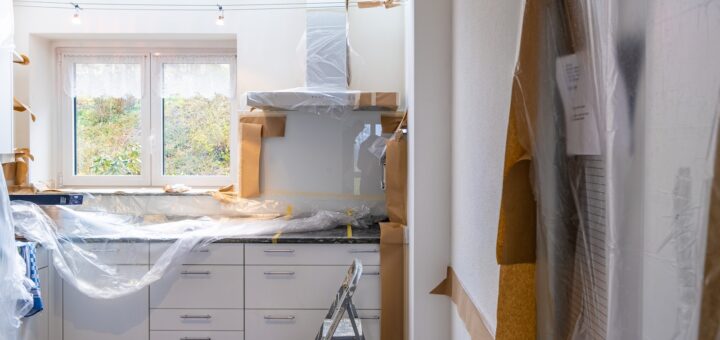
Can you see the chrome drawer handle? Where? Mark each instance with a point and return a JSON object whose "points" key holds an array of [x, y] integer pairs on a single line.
{"points": [[271, 251], [372, 273], [105, 250], [374, 317], [189, 338], [188, 272], [358, 251], [279, 273], [202, 250], [196, 316], [272, 317]]}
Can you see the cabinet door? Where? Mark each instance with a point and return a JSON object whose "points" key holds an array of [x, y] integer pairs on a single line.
{"points": [[6, 96], [36, 327], [125, 318]]}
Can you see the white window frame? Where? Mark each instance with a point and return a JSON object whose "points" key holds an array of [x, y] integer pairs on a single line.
{"points": [[158, 178], [151, 126]]}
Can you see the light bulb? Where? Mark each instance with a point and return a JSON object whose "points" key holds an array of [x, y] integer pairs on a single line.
{"points": [[76, 16], [221, 16], [76, 19]]}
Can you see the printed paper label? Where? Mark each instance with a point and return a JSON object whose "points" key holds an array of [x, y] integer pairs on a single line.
{"points": [[581, 125]]}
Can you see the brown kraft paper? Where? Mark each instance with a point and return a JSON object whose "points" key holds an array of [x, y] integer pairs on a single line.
{"points": [[710, 306], [380, 100], [470, 315], [390, 123], [392, 281], [396, 178], [272, 126], [250, 147], [515, 252]]}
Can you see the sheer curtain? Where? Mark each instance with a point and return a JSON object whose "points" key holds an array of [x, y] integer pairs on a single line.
{"points": [[103, 76], [194, 75]]}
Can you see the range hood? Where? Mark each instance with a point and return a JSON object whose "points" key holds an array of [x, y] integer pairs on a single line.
{"points": [[327, 74]]}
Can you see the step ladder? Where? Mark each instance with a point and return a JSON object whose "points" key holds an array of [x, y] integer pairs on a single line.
{"points": [[336, 326]]}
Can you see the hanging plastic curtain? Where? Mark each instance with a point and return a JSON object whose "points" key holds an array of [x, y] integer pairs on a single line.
{"points": [[621, 104]]}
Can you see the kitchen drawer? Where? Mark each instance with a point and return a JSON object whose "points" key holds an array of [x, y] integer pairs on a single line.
{"points": [[118, 252], [195, 335], [371, 323], [196, 319], [283, 324], [312, 254], [199, 287], [217, 253], [300, 324], [306, 287]]}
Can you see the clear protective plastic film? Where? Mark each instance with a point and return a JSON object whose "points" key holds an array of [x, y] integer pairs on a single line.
{"points": [[623, 158], [83, 242], [15, 297]]}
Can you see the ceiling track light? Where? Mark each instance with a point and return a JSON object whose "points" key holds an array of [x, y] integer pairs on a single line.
{"points": [[76, 16], [221, 16]]}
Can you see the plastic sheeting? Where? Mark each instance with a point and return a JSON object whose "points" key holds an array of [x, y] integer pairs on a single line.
{"points": [[621, 114], [80, 240], [15, 297]]}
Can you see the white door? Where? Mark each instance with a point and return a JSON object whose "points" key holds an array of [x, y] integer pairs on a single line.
{"points": [[125, 318]]}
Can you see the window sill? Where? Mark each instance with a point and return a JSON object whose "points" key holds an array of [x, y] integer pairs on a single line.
{"points": [[137, 191]]}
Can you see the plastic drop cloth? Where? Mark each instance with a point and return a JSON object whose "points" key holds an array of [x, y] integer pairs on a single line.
{"points": [[621, 105], [15, 297], [84, 242]]}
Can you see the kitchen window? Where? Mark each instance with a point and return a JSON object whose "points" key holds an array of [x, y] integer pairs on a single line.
{"points": [[147, 119]]}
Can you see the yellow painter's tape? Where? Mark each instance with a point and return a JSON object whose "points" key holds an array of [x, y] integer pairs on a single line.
{"points": [[276, 237]]}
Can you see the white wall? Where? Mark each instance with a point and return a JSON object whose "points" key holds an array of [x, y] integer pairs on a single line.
{"points": [[485, 44], [682, 84], [429, 91]]}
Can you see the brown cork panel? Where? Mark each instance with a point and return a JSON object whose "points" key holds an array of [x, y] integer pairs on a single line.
{"points": [[516, 303]]}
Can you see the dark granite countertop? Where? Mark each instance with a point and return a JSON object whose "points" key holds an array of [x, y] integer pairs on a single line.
{"points": [[339, 235]]}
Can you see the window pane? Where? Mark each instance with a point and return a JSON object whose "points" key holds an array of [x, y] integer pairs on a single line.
{"points": [[196, 120], [197, 135], [107, 124]]}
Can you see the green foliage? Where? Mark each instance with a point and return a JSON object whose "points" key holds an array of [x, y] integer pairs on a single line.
{"points": [[197, 135], [108, 133]]}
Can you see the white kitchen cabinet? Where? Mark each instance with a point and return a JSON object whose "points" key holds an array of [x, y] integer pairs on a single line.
{"points": [[314, 254], [196, 335], [124, 318], [227, 291], [196, 319], [283, 324], [306, 287], [6, 102], [199, 286]]}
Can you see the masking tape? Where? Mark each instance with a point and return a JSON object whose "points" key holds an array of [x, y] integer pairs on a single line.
{"points": [[470, 315], [276, 237]]}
